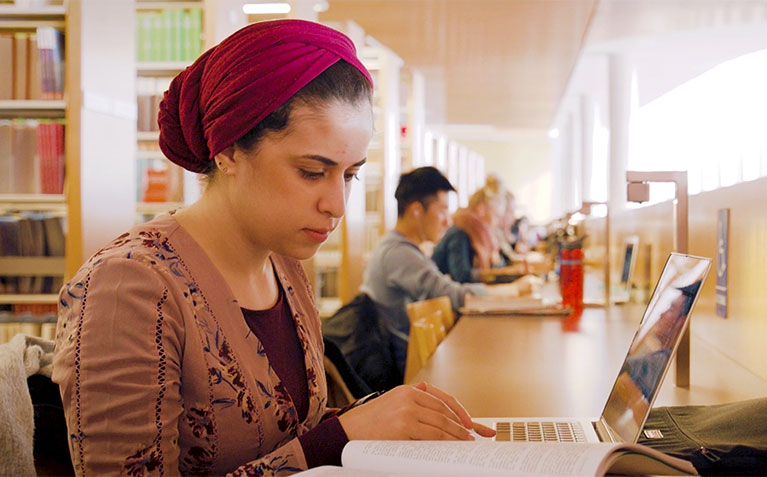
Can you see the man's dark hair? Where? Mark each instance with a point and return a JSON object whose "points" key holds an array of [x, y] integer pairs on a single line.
{"points": [[420, 185]]}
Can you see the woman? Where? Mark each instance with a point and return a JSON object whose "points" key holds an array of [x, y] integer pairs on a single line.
{"points": [[191, 344], [469, 250]]}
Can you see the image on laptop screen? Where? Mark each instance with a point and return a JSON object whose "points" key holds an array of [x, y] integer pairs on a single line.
{"points": [[629, 260], [654, 344]]}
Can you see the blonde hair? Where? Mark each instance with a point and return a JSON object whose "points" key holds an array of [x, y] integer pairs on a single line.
{"points": [[486, 196], [494, 183]]}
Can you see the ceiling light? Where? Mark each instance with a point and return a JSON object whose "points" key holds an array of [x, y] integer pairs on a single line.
{"points": [[320, 6], [553, 133], [266, 8]]}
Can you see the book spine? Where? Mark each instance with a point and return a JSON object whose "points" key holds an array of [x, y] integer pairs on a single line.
{"points": [[35, 73], [195, 36], [21, 65], [185, 23], [7, 73], [156, 37], [6, 156]]}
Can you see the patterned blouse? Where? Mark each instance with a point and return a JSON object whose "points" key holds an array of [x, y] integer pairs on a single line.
{"points": [[159, 372]]}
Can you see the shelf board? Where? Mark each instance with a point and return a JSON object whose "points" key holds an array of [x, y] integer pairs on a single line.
{"points": [[148, 208], [327, 258], [17, 18], [328, 305], [160, 68], [33, 266], [30, 108], [154, 5], [32, 299], [12, 11], [148, 155], [44, 202], [147, 136]]}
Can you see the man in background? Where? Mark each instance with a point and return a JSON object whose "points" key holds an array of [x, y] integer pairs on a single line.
{"points": [[399, 273]]}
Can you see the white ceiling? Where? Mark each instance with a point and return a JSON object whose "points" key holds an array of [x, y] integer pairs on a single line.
{"points": [[506, 64]]}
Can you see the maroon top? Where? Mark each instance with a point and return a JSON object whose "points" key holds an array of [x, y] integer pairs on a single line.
{"points": [[276, 331]]}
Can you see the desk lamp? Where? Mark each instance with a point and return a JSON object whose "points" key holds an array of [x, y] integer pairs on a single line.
{"points": [[638, 190], [586, 210]]}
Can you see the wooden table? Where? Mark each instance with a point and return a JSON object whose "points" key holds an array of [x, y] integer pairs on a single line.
{"points": [[557, 366]]}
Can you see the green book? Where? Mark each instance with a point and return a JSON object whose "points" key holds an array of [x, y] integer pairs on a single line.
{"points": [[195, 33], [155, 37], [143, 37], [175, 33], [185, 23]]}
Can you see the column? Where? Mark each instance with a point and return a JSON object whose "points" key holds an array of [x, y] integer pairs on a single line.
{"points": [[620, 77]]}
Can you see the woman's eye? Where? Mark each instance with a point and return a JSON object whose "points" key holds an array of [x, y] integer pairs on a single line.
{"points": [[351, 175], [311, 175]]}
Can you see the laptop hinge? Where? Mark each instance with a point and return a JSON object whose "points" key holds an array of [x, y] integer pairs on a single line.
{"points": [[603, 431]]}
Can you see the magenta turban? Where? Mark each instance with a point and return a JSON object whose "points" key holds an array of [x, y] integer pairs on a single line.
{"points": [[240, 81]]}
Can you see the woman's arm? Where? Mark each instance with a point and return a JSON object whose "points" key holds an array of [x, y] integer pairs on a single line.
{"points": [[117, 362]]}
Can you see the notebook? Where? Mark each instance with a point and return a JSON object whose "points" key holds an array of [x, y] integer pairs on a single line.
{"points": [[619, 293], [646, 363]]}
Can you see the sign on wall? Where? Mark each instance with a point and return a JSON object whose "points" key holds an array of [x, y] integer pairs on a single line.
{"points": [[722, 236]]}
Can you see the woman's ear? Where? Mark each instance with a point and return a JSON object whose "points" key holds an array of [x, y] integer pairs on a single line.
{"points": [[225, 160]]}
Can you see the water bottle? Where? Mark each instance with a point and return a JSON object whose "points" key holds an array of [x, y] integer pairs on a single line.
{"points": [[571, 275]]}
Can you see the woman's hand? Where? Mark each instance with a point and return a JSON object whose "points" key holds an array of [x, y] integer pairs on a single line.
{"points": [[526, 285], [420, 412]]}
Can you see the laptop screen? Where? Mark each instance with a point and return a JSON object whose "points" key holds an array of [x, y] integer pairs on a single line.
{"points": [[628, 263], [654, 344]]}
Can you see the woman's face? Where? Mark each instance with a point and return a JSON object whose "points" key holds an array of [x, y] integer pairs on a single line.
{"points": [[290, 192]]}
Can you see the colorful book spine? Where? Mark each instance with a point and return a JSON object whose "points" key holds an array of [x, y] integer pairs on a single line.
{"points": [[173, 34]]}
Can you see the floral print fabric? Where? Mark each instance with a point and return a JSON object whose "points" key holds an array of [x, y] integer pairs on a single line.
{"points": [[159, 373]]}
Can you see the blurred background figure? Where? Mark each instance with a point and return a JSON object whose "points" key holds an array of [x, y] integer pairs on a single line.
{"points": [[471, 246]]}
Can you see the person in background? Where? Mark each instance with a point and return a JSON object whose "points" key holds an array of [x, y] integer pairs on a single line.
{"points": [[470, 249], [398, 272], [191, 344], [503, 231], [520, 230]]}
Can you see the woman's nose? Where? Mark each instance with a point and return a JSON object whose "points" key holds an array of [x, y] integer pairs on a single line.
{"points": [[333, 199]]}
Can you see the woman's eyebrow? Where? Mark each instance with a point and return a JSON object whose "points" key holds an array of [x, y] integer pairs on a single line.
{"points": [[329, 162]]}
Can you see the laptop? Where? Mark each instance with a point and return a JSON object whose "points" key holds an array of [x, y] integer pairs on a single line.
{"points": [[640, 377], [621, 292]]}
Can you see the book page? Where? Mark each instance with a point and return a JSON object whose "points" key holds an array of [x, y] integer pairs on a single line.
{"points": [[475, 458], [333, 471]]}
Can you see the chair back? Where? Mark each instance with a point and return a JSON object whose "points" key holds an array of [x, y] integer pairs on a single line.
{"points": [[421, 308], [426, 332]]}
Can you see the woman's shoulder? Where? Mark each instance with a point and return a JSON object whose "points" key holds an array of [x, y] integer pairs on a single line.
{"points": [[148, 243]]}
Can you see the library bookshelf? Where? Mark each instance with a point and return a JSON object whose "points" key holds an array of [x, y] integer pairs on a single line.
{"points": [[23, 107]]}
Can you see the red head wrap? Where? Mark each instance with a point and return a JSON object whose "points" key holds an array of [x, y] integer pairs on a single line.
{"points": [[236, 84]]}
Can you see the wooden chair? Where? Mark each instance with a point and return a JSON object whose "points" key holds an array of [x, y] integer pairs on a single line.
{"points": [[421, 308], [426, 332]]}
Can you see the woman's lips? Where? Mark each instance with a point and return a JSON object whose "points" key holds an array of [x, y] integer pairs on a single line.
{"points": [[318, 236]]}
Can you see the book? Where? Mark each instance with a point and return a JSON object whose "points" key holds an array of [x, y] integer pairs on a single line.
{"points": [[6, 156], [486, 458], [500, 305], [21, 65], [7, 73]]}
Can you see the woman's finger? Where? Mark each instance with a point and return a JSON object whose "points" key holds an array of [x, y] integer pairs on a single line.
{"points": [[450, 401], [436, 426], [483, 430], [427, 400]]}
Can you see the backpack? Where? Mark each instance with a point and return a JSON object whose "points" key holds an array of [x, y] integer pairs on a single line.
{"points": [[365, 342], [722, 439]]}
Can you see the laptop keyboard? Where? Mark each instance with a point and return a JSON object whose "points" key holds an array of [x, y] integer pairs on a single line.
{"points": [[539, 431]]}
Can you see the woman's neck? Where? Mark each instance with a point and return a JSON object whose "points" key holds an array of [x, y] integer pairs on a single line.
{"points": [[246, 268]]}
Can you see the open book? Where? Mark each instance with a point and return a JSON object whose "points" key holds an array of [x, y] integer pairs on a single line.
{"points": [[485, 458], [504, 305]]}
